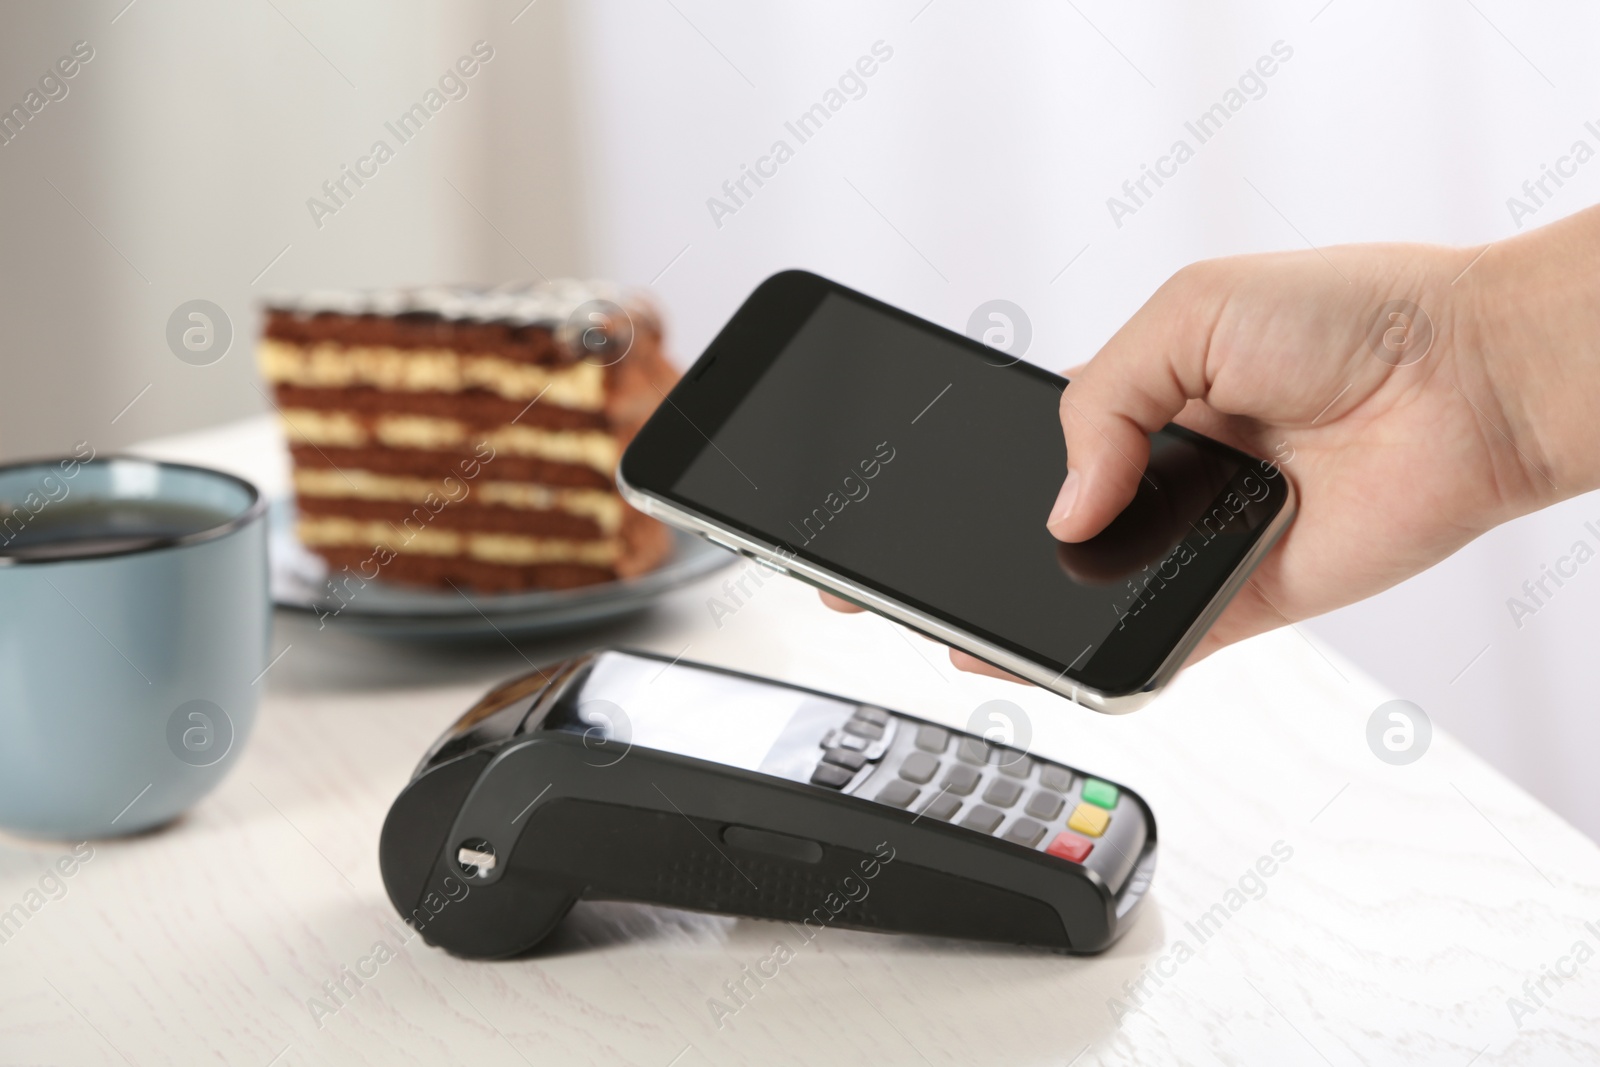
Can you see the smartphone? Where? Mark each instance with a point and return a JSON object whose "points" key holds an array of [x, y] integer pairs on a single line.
{"points": [[910, 469], [619, 775]]}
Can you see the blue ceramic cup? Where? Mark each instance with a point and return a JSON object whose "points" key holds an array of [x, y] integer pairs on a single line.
{"points": [[134, 628]]}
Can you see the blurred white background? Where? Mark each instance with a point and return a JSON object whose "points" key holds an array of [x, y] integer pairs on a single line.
{"points": [[976, 165]]}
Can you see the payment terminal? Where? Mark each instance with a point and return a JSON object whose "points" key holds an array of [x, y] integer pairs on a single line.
{"points": [[622, 775]]}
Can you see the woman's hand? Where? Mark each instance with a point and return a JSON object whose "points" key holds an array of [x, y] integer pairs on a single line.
{"points": [[1406, 437]]}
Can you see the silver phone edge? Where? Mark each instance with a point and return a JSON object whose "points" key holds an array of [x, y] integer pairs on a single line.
{"points": [[674, 514]]}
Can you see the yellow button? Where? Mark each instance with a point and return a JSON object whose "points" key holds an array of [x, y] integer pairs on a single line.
{"points": [[1089, 820]]}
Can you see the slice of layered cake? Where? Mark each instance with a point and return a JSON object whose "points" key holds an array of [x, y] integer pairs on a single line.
{"points": [[466, 436]]}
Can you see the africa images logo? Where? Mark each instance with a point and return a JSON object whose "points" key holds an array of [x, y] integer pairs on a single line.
{"points": [[199, 733], [851, 85], [52, 87], [453, 84], [1251, 85]]}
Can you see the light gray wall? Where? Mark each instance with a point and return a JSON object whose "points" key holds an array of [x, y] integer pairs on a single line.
{"points": [[190, 144], [977, 165]]}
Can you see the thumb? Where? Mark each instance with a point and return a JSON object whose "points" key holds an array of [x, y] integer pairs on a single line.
{"points": [[1134, 386]]}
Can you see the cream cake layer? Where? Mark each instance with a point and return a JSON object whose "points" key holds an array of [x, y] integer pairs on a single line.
{"points": [[489, 547], [597, 449], [327, 365], [600, 506]]}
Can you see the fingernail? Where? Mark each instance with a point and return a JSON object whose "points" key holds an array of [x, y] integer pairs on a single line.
{"points": [[1064, 501]]}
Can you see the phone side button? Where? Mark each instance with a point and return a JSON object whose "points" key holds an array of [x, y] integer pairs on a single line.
{"points": [[767, 563]]}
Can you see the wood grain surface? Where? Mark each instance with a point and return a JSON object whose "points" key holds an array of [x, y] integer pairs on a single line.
{"points": [[1414, 904]]}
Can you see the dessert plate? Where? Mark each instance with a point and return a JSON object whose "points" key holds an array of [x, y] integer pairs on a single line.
{"points": [[383, 609]]}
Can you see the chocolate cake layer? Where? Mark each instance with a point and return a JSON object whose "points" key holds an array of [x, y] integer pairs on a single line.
{"points": [[468, 434], [469, 574], [464, 515], [524, 344], [473, 406], [601, 506], [466, 463]]}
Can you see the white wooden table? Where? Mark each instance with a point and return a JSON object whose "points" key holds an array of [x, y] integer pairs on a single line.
{"points": [[1417, 899]]}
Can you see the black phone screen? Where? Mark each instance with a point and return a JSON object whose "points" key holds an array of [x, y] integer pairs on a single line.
{"points": [[922, 464]]}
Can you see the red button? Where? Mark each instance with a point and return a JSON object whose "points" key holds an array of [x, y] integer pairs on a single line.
{"points": [[1071, 847]]}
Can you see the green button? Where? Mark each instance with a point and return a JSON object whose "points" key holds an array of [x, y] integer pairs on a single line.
{"points": [[1101, 794]]}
